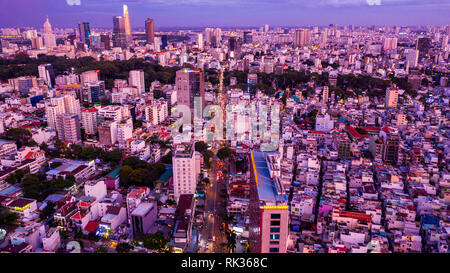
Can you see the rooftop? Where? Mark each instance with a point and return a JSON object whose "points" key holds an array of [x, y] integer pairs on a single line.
{"points": [[267, 190]]}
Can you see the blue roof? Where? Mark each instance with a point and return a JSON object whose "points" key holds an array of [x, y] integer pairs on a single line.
{"points": [[267, 190], [296, 99], [10, 190]]}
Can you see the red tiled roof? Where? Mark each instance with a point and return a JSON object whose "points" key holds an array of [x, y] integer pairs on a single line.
{"points": [[352, 131], [91, 226]]}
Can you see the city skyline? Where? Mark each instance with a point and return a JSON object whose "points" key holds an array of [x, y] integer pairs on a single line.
{"points": [[254, 13]]}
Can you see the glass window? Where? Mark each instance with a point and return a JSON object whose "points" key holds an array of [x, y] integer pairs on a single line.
{"points": [[273, 249], [275, 229], [274, 236], [275, 216], [274, 223]]}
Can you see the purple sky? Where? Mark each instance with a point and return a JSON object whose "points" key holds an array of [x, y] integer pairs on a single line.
{"points": [[202, 13]]}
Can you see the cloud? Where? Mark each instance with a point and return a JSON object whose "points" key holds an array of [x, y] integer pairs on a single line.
{"points": [[73, 2]]}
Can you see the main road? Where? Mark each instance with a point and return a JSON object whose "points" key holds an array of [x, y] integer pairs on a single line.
{"points": [[211, 236]]}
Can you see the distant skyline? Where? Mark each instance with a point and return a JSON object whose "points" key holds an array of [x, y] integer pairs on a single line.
{"points": [[231, 13]]}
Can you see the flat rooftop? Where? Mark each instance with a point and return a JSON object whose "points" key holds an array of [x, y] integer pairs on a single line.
{"points": [[267, 191], [142, 209]]}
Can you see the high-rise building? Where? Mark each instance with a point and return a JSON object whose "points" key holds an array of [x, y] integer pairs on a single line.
{"points": [[136, 79], [444, 41], [119, 36], [391, 98], [53, 108], [164, 41], [85, 33], [93, 92], [37, 43], [107, 132], [48, 36], [391, 145], [156, 112], [150, 30], [423, 44], [325, 94], [248, 37], [199, 40], [344, 147], [184, 174], [266, 28], [412, 57], [68, 128], [46, 73], [25, 83], [233, 46], [60, 105], [302, 37], [390, 44], [89, 121], [127, 26], [209, 32], [268, 208], [71, 104], [124, 131], [105, 41], [89, 76], [190, 84]]}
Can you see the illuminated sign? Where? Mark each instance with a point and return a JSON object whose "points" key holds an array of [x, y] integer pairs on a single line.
{"points": [[22, 208], [91, 163], [276, 207]]}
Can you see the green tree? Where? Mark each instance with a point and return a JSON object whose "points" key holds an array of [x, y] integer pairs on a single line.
{"points": [[11, 179], [155, 241], [7, 217], [124, 247], [124, 174], [47, 211], [201, 146], [224, 153]]}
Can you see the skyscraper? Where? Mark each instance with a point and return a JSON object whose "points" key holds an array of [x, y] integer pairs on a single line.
{"points": [[89, 120], [136, 79], [126, 18], [105, 41], [150, 30], [199, 40], [390, 44], [423, 44], [302, 37], [119, 36], [412, 57], [68, 128], [46, 73], [248, 37], [391, 98], [190, 84], [164, 41], [85, 32], [184, 174], [268, 208], [48, 36]]}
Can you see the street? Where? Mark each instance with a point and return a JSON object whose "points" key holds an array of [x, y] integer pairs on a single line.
{"points": [[211, 237]]}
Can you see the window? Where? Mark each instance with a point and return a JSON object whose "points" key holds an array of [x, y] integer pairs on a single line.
{"points": [[274, 242], [275, 216], [273, 250], [274, 223], [275, 229], [274, 236]]}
